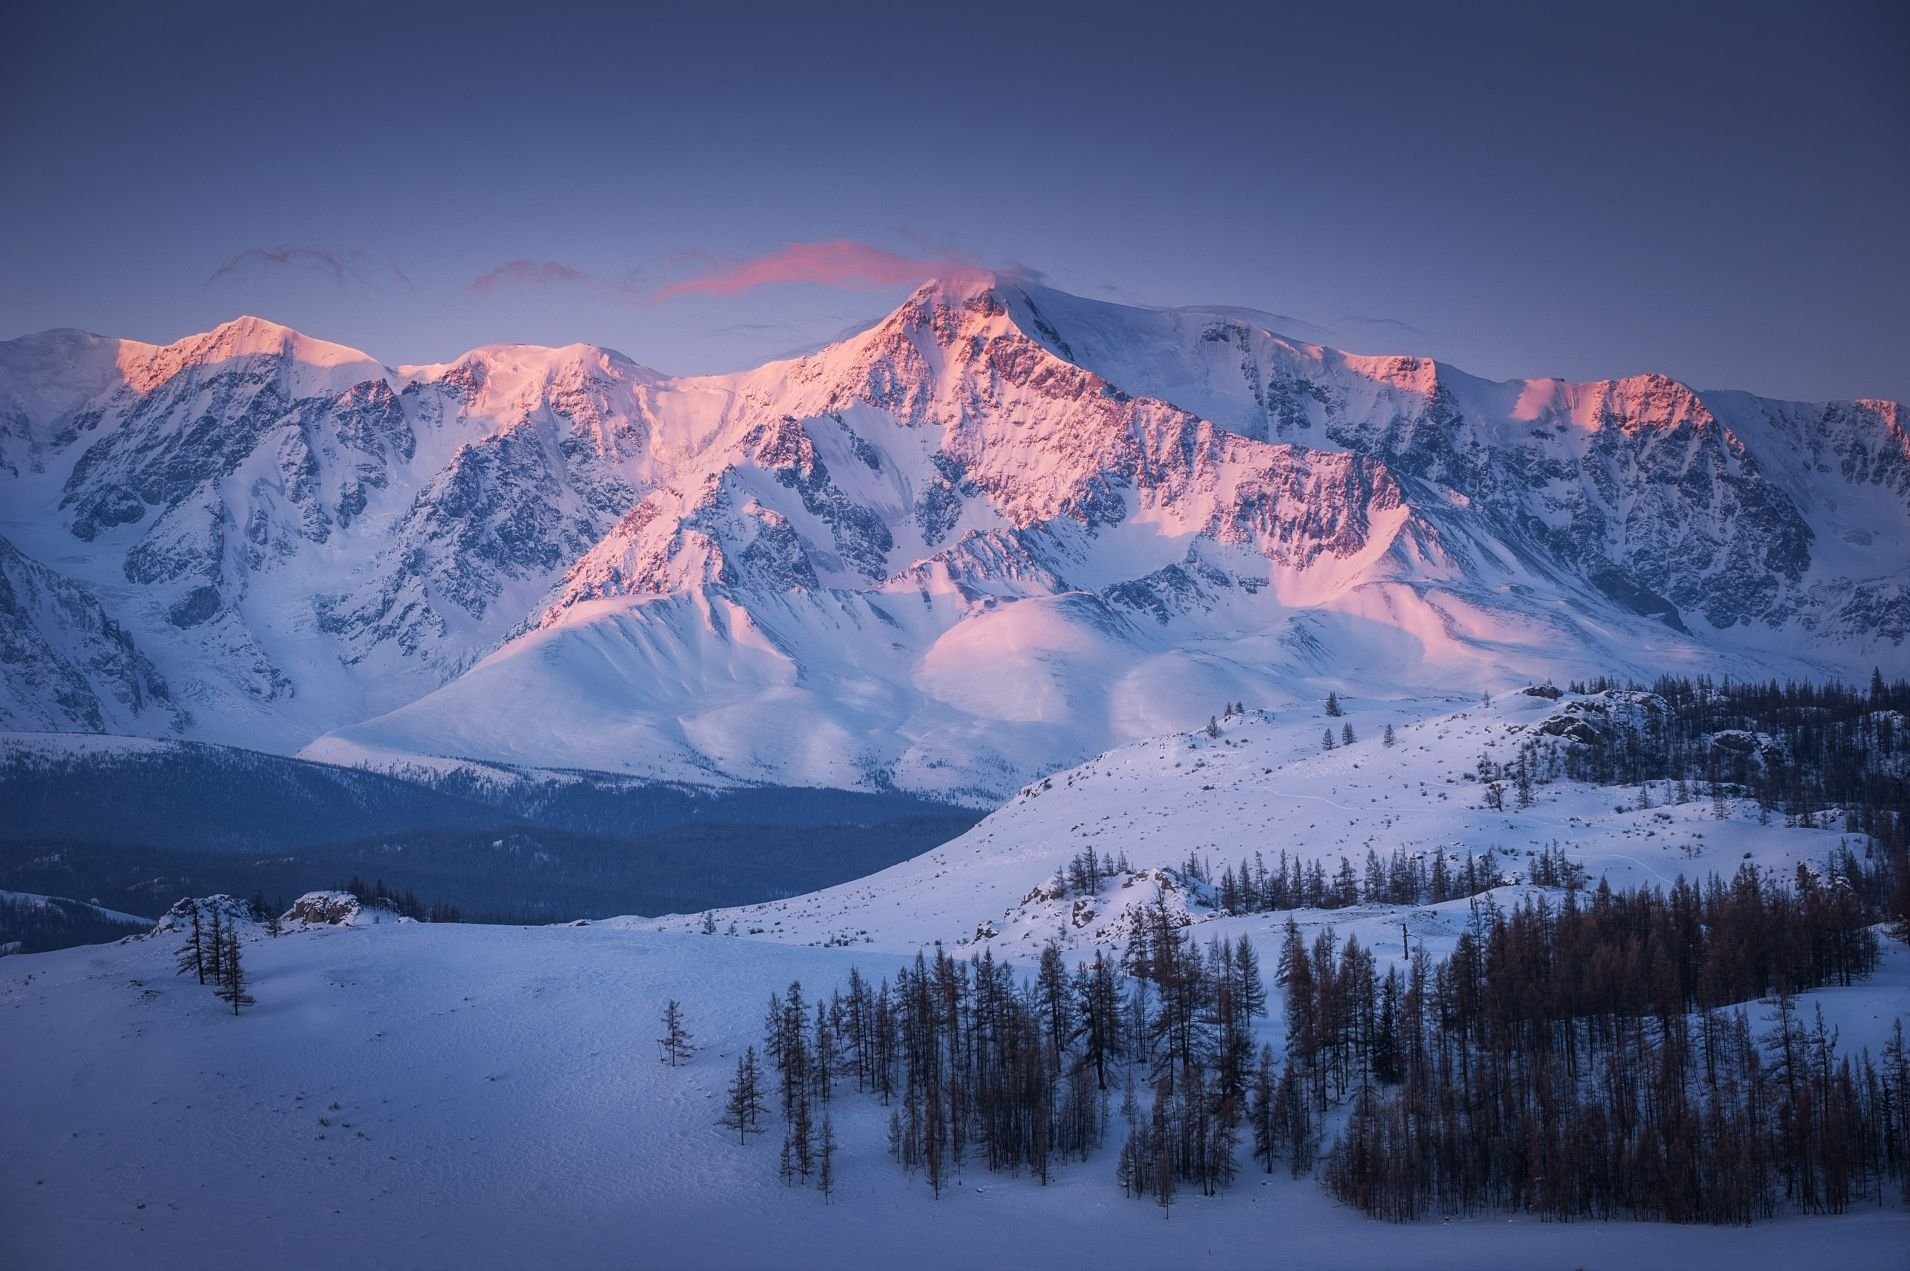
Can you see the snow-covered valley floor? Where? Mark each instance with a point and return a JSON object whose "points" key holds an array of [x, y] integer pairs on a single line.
{"points": [[410, 1095], [413, 1096]]}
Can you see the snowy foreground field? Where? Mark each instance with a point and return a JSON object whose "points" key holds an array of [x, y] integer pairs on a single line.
{"points": [[411, 1095]]}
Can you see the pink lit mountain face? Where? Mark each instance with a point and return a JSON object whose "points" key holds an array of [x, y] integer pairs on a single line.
{"points": [[999, 532]]}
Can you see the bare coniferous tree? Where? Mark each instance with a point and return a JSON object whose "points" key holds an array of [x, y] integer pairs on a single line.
{"points": [[675, 1042], [826, 1160], [232, 979], [744, 1108], [192, 954]]}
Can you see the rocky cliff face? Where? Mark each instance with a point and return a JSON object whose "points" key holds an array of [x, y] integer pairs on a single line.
{"points": [[67, 664], [1000, 530]]}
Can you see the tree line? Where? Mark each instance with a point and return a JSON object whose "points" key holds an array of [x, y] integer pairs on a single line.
{"points": [[1800, 749], [1580, 1061], [1574, 1056]]}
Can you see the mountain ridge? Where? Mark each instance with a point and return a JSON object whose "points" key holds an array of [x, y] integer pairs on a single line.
{"points": [[994, 533]]}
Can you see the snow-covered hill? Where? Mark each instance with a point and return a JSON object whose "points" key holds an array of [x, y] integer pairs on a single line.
{"points": [[1265, 788], [997, 533], [442, 1096]]}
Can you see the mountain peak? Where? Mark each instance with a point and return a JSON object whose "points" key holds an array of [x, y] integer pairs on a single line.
{"points": [[958, 285], [315, 366]]}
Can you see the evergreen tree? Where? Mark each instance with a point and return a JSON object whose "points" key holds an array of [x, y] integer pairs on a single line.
{"points": [[1262, 1110], [1333, 705], [191, 955], [675, 1042], [1326, 740], [1346, 734], [232, 981], [826, 1160], [744, 1108], [1386, 737], [1161, 1142]]}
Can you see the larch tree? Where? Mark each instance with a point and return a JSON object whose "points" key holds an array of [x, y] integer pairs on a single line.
{"points": [[675, 1042], [744, 1108], [192, 954], [826, 1160], [232, 981]]}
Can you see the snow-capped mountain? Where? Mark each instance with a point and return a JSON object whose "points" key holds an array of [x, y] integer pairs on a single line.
{"points": [[995, 534], [301, 535]]}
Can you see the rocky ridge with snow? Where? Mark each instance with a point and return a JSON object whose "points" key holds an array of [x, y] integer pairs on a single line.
{"points": [[997, 533]]}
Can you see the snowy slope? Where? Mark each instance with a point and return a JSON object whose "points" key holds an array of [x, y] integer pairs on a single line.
{"points": [[997, 533], [1266, 786], [446, 1096]]}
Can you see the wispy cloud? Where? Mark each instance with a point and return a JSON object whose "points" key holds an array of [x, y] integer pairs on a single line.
{"points": [[530, 273], [1392, 323], [835, 263], [341, 267]]}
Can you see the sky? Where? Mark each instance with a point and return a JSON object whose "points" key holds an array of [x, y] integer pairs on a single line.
{"points": [[1718, 192]]}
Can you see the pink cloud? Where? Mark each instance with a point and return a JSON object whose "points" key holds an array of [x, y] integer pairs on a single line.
{"points": [[836, 263], [529, 273]]}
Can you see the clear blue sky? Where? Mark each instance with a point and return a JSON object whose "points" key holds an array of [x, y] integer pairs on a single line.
{"points": [[1720, 192]]}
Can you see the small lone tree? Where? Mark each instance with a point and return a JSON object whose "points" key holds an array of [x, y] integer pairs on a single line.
{"points": [[1386, 738], [192, 954], [1333, 705], [1213, 726], [826, 1160], [743, 1110], [675, 1042], [1346, 734], [232, 973], [1326, 740]]}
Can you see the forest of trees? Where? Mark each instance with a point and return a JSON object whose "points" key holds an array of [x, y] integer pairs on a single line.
{"points": [[405, 904], [34, 924], [1399, 878], [1581, 1061], [1580, 1055], [1801, 750], [1587, 1053]]}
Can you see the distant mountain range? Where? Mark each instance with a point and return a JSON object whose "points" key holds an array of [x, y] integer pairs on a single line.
{"points": [[997, 533]]}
